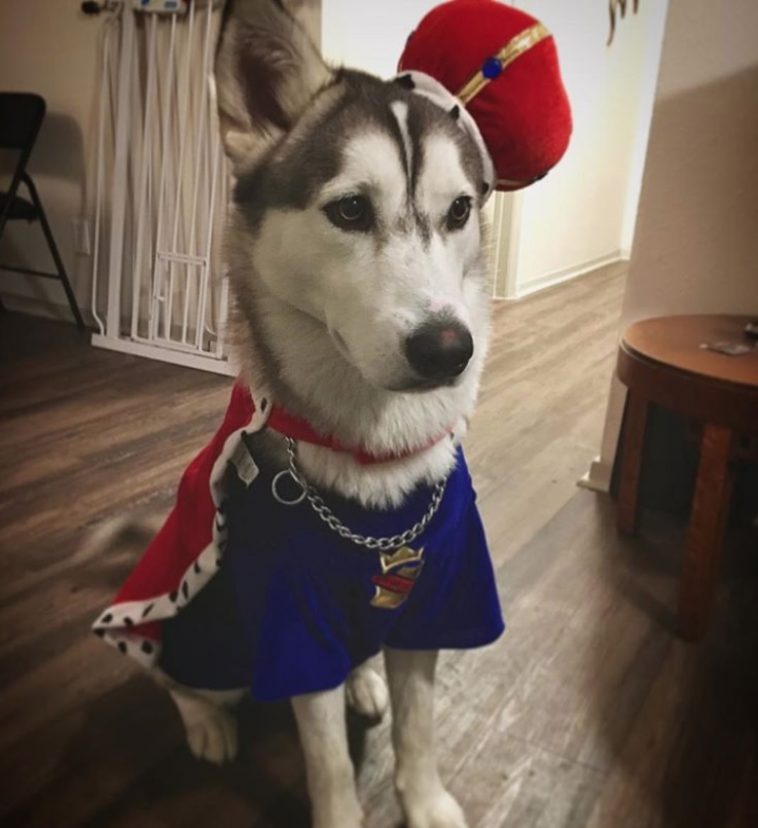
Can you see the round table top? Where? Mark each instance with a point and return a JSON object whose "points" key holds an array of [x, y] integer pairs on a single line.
{"points": [[675, 341]]}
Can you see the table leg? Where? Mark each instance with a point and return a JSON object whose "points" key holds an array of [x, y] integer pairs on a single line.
{"points": [[631, 463], [710, 508]]}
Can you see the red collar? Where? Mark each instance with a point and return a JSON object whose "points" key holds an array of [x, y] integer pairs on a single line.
{"points": [[289, 425]]}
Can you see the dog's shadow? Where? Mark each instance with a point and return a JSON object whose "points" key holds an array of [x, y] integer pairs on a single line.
{"points": [[132, 738]]}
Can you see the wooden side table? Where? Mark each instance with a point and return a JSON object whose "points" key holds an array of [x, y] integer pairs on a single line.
{"points": [[660, 361]]}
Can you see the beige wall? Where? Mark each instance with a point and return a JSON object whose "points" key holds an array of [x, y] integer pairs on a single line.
{"points": [[50, 47], [369, 36], [578, 217], [696, 245]]}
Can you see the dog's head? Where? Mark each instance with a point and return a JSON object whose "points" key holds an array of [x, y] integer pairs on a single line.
{"points": [[360, 202]]}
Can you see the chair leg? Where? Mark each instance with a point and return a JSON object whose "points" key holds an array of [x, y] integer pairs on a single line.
{"points": [[710, 509], [9, 196], [62, 275], [627, 508]]}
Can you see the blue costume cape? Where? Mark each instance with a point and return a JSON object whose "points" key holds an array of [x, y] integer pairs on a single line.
{"points": [[280, 603]]}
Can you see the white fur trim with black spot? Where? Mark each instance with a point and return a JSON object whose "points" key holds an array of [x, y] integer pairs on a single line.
{"points": [[116, 624]]}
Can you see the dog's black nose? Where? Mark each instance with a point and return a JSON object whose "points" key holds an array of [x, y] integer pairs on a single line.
{"points": [[439, 350]]}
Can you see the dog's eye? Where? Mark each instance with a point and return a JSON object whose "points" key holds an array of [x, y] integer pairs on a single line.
{"points": [[458, 214], [352, 213]]}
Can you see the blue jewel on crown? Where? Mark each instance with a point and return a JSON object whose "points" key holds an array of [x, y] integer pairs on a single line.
{"points": [[491, 68]]}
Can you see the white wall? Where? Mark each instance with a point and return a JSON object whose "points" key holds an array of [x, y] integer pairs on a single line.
{"points": [[50, 47], [696, 245], [369, 36], [582, 214]]}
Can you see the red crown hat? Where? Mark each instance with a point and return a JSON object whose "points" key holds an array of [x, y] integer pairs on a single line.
{"points": [[502, 64]]}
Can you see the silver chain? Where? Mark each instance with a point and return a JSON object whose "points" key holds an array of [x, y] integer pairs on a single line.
{"points": [[385, 544]]}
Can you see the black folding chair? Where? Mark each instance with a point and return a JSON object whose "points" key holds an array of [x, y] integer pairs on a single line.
{"points": [[21, 116]]}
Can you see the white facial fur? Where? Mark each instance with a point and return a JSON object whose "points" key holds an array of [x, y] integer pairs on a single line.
{"points": [[372, 289]]}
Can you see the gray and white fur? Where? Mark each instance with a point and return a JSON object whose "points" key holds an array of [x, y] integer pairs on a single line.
{"points": [[355, 251]]}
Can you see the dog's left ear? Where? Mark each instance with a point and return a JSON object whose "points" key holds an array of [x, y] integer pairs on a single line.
{"points": [[267, 72]]}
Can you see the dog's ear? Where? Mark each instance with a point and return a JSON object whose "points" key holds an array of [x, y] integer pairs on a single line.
{"points": [[267, 71]]}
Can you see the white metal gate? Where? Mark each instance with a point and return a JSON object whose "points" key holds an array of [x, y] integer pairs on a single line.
{"points": [[161, 188], [158, 285]]}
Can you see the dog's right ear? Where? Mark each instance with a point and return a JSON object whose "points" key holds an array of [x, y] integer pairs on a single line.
{"points": [[267, 72]]}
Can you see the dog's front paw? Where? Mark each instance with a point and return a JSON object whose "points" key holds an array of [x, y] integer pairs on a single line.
{"points": [[437, 809], [212, 735], [366, 692]]}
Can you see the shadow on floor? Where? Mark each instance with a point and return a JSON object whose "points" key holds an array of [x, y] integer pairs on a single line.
{"points": [[682, 723], [133, 733]]}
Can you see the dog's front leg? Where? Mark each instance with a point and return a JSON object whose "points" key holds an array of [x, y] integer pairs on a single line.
{"points": [[329, 770], [423, 797]]}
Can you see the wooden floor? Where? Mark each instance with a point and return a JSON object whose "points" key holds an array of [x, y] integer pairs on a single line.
{"points": [[588, 712]]}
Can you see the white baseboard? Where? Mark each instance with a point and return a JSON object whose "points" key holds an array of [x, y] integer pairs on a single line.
{"points": [[598, 476], [556, 277]]}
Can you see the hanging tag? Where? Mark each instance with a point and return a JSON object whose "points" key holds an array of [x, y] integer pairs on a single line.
{"points": [[247, 470]]}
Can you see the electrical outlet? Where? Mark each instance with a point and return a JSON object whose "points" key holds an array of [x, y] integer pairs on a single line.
{"points": [[81, 237]]}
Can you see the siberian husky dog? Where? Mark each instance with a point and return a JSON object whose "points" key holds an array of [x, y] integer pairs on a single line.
{"points": [[355, 253]]}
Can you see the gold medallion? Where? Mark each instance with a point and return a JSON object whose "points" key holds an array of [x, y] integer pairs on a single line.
{"points": [[400, 570]]}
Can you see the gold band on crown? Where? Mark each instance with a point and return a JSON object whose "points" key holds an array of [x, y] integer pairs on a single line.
{"points": [[515, 47]]}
